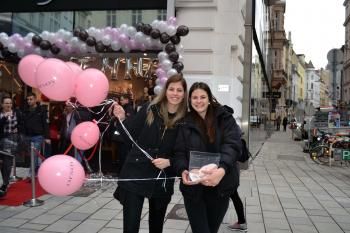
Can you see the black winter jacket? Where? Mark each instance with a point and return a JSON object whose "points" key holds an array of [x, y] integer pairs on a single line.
{"points": [[158, 142], [36, 121], [227, 143]]}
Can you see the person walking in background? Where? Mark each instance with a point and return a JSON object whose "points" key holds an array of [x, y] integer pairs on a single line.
{"points": [[10, 129], [208, 127], [278, 123], [155, 129], [36, 126], [285, 123]]}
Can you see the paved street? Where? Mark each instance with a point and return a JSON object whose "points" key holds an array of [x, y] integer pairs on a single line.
{"points": [[283, 191]]}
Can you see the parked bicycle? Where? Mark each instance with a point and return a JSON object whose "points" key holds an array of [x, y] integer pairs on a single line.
{"points": [[324, 151]]}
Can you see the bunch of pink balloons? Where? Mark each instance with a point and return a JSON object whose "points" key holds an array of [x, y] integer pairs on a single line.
{"points": [[59, 80]]}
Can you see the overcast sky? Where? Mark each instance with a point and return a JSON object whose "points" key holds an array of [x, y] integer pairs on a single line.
{"points": [[316, 26]]}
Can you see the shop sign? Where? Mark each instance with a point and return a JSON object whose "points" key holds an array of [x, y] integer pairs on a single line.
{"points": [[78, 5], [346, 155], [272, 95]]}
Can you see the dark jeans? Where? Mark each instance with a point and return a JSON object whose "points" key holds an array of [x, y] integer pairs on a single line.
{"points": [[237, 202], [132, 209], [207, 212], [8, 144]]}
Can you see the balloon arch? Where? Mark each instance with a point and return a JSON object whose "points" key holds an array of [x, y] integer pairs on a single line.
{"points": [[60, 80]]}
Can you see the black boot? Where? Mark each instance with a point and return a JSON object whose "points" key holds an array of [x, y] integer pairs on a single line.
{"points": [[4, 188], [2, 193]]}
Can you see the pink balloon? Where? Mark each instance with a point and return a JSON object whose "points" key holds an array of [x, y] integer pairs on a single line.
{"points": [[92, 87], [27, 68], [76, 69], [85, 135], [55, 79], [61, 175]]}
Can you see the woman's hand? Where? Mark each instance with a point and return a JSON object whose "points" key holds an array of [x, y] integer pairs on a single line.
{"points": [[186, 178], [161, 163], [213, 177], [118, 111]]}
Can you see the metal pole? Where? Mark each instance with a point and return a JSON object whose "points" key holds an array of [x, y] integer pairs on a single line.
{"points": [[14, 176], [248, 24], [33, 202]]}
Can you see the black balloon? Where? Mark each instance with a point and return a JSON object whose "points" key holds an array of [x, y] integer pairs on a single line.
{"points": [[45, 44], [1, 46], [178, 66], [155, 33], [139, 26], [76, 32], [83, 35], [175, 39], [146, 29], [36, 40], [182, 30], [54, 49], [170, 48], [90, 41], [173, 56], [164, 38], [100, 47]]}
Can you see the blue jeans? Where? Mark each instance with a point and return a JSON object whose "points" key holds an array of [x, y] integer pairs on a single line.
{"points": [[37, 143]]}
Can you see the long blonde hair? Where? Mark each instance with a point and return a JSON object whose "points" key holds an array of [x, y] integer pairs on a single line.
{"points": [[162, 101]]}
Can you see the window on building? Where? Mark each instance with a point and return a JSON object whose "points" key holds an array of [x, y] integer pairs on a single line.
{"points": [[111, 18], [41, 21], [312, 86], [161, 14], [136, 17]]}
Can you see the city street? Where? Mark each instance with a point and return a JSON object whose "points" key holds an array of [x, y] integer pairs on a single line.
{"points": [[283, 190]]}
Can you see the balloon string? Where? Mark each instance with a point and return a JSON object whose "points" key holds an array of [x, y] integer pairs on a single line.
{"points": [[141, 179], [37, 152], [68, 149], [131, 138]]}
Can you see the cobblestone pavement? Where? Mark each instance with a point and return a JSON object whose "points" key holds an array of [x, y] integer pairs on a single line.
{"points": [[283, 191]]}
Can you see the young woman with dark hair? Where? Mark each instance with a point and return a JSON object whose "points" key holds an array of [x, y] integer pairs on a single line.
{"points": [[208, 127]]}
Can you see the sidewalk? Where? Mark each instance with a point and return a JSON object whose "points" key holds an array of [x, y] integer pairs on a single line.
{"points": [[284, 191]]}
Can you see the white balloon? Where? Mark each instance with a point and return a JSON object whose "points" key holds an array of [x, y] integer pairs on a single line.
{"points": [[166, 65], [12, 47], [155, 23], [171, 30], [124, 28], [131, 31], [45, 35], [83, 48], [162, 56], [162, 26], [115, 45], [139, 37], [20, 53], [4, 40], [126, 48], [181, 58], [171, 72], [157, 89], [106, 40]]}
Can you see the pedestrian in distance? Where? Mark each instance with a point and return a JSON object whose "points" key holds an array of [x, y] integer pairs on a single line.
{"points": [[10, 129], [285, 123], [155, 128], [278, 123], [210, 128]]}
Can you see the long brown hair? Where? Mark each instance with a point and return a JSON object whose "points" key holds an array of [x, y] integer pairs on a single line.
{"points": [[162, 101], [207, 125]]}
